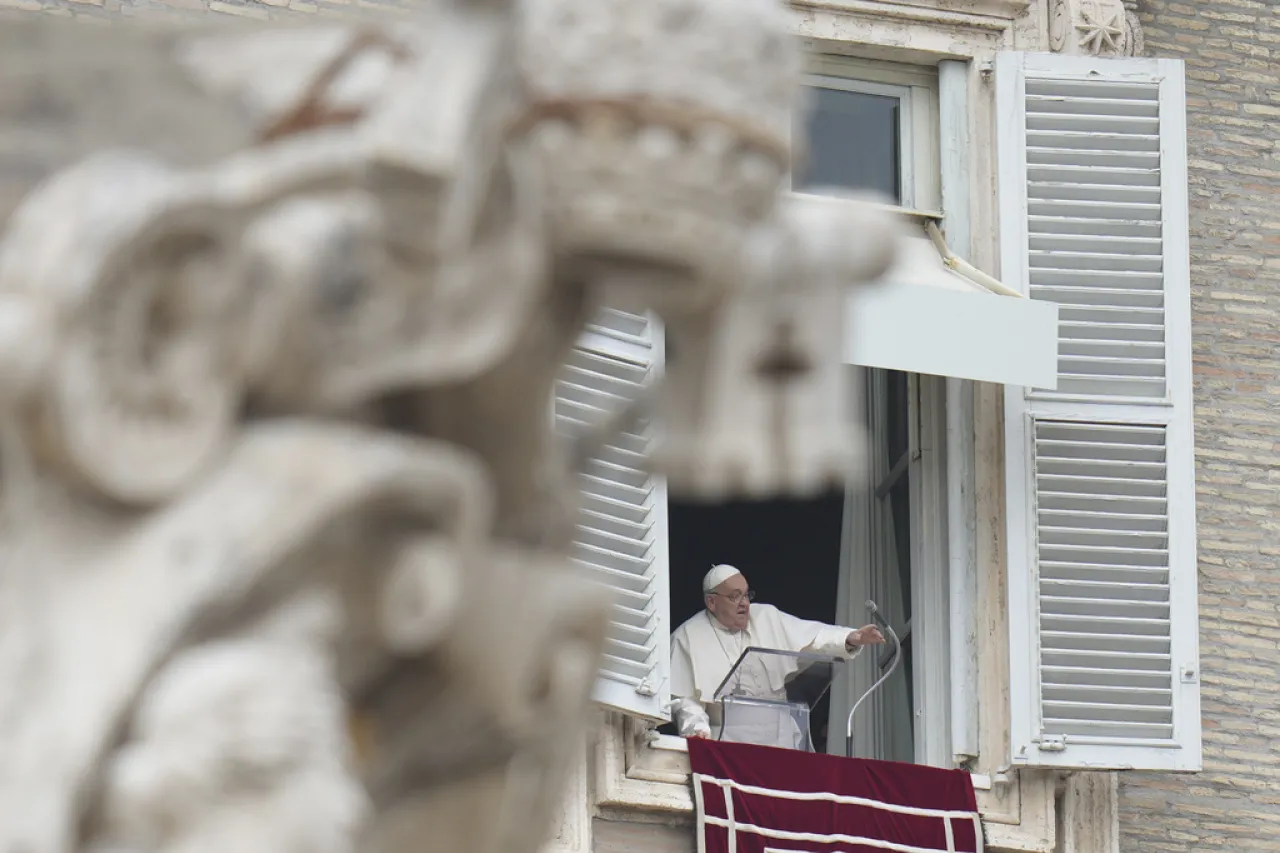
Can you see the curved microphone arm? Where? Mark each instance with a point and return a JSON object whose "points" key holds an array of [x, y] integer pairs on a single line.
{"points": [[897, 659]]}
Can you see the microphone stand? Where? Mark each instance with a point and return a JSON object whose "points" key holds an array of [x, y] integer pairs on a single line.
{"points": [[897, 659]]}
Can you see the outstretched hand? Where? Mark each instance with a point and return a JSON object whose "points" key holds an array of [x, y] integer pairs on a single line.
{"points": [[868, 635]]}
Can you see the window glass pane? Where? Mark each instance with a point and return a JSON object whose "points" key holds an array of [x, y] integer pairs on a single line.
{"points": [[853, 143]]}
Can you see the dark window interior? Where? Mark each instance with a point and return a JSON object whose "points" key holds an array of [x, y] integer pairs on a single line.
{"points": [[789, 551]]}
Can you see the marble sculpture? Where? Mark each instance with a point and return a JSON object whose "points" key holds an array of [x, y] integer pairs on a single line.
{"points": [[286, 525]]}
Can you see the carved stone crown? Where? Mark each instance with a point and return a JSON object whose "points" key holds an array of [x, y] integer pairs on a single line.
{"points": [[665, 123]]}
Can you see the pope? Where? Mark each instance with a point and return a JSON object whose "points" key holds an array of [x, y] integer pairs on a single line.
{"points": [[706, 647]]}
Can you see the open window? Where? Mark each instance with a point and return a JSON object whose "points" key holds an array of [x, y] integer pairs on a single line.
{"points": [[887, 538], [821, 558]]}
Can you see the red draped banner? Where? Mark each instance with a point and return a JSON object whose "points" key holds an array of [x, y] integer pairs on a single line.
{"points": [[758, 799]]}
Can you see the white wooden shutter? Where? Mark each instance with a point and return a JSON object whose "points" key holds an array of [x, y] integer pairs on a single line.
{"points": [[1100, 475], [622, 527]]}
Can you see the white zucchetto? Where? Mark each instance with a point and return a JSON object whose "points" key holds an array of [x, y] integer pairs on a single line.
{"points": [[718, 575]]}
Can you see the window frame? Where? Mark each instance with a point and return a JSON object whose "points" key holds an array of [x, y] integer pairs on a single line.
{"points": [[918, 121], [917, 88]]}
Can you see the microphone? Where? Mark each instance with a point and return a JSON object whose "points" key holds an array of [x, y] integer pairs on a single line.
{"points": [[895, 650]]}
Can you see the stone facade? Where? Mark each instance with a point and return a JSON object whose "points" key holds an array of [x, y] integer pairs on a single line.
{"points": [[1233, 102]]}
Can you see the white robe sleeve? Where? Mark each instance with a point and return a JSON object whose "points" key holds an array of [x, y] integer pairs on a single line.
{"points": [[808, 636], [691, 718], [689, 714]]}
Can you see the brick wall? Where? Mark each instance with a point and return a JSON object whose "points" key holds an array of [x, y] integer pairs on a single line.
{"points": [[257, 9], [1232, 51]]}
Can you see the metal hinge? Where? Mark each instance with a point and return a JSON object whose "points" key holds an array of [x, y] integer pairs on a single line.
{"points": [[1053, 743], [645, 688]]}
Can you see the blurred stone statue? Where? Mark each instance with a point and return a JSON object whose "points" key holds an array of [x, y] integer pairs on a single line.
{"points": [[286, 526]]}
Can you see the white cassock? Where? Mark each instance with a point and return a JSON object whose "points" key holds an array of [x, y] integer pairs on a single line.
{"points": [[703, 651]]}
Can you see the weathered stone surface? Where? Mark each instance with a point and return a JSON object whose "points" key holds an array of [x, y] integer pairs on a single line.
{"points": [[1233, 94], [274, 397]]}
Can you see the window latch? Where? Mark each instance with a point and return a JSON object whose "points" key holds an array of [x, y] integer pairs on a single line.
{"points": [[645, 688], [1053, 743]]}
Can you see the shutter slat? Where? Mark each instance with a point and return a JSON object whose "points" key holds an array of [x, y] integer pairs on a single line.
{"points": [[627, 546], [613, 570], [1098, 88], [1105, 661], [1087, 366], [1121, 609], [629, 571], [601, 469], [1094, 209], [1083, 385], [1106, 243], [1105, 591], [1101, 557], [1102, 194], [636, 531], [1091, 712], [623, 511], [1067, 260], [1112, 643], [1099, 678], [1144, 336], [632, 613], [1093, 157], [1130, 126], [1082, 225], [637, 653], [1052, 517], [1083, 484], [1143, 105], [1067, 570], [1127, 732], [1114, 297], [621, 668], [622, 326], [1099, 348], [1130, 279], [1122, 627], [600, 485], [1108, 694], [1068, 170]]}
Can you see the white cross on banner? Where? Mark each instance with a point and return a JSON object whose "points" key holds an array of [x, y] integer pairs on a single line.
{"points": [[759, 799]]}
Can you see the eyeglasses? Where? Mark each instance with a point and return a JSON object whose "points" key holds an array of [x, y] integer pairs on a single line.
{"points": [[737, 595]]}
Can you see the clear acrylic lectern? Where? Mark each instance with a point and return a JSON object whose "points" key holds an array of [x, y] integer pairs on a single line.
{"points": [[768, 695]]}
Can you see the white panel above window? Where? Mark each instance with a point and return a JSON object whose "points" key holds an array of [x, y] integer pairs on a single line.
{"points": [[621, 538], [924, 318], [1100, 478]]}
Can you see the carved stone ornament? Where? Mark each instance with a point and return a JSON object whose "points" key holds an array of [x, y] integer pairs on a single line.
{"points": [[1103, 28], [286, 530]]}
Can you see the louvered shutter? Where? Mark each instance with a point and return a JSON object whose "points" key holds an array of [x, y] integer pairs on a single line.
{"points": [[621, 537], [1100, 476]]}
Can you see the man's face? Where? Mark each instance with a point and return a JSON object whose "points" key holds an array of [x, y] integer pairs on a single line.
{"points": [[729, 603]]}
